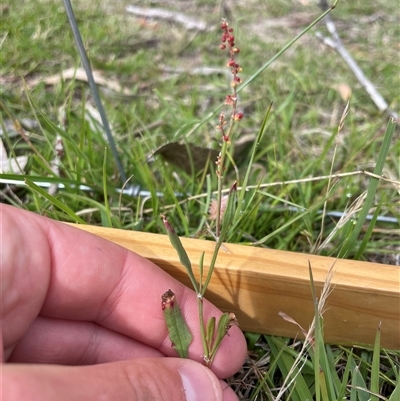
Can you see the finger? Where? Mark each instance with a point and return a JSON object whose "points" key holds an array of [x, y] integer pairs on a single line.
{"points": [[162, 379], [50, 341], [73, 275]]}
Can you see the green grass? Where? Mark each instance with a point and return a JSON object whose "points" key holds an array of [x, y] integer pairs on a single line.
{"points": [[299, 141]]}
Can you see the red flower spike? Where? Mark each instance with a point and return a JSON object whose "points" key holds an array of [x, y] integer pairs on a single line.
{"points": [[222, 47]]}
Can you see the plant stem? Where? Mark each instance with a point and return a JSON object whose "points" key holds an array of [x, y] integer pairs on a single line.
{"points": [[220, 176], [211, 268], [203, 329]]}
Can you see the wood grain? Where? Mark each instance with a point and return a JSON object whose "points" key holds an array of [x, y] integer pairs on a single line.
{"points": [[256, 284]]}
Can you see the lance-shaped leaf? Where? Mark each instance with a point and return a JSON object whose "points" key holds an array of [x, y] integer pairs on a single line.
{"points": [[183, 257], [210, 332], [226, 321], [178, 330]]}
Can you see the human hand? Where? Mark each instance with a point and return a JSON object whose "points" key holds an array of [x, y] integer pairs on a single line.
{"points": [[82, 319]]}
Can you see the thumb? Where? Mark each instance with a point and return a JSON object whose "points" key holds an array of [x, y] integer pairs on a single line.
{"points": [[158, 379]]}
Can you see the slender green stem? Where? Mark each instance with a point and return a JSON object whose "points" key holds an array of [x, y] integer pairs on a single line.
{"points": [[286, 47], [211, 268], [203, 329], [220, 176]]}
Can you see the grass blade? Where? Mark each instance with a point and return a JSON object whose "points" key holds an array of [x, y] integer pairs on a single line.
{"points": [[286, 47], [285, 361], [54, 201], [369, 231], [107, 217], [359, 389], [289, 223], [375, 365], [260, 135], [345, 377], [350, 243], [396, 393]]}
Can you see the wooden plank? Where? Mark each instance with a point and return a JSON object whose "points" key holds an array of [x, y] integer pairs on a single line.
{"points": [[256, 284]]}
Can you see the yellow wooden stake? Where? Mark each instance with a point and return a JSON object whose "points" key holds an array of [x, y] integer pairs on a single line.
{"points": [[256, 284]]}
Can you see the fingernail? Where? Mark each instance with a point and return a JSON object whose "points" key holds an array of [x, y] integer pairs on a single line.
{"points": [[199, 383]]}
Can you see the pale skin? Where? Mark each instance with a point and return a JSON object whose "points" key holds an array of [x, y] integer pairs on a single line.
{"points": [[81, 319]]}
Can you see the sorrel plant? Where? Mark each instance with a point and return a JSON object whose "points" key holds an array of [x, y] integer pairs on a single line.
{"points": [[222, 210]]}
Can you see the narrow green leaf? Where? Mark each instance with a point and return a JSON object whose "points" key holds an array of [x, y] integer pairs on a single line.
{"points": [[321, 363], [353, 391], [358, 386], [332, 365], [178, 206], [252, 339], [106, 204], [286, 47], [201, 268], [226, 321], [280, 199], [317, 336], [396, 393], [260, 135], [375, 365], [323, 388], [222, 327], [210, 332], [54, 201], [349, 245], [178, 330], [345, 377], [281, 355], [369, 231], [287, 224], [54, 129], [183, 257]]}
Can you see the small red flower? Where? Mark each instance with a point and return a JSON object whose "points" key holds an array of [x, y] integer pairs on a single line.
{"points": [[230, 100], [238, 116]]}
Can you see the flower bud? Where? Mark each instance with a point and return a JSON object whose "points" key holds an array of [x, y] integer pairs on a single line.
{"points": [[238, 116]]}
